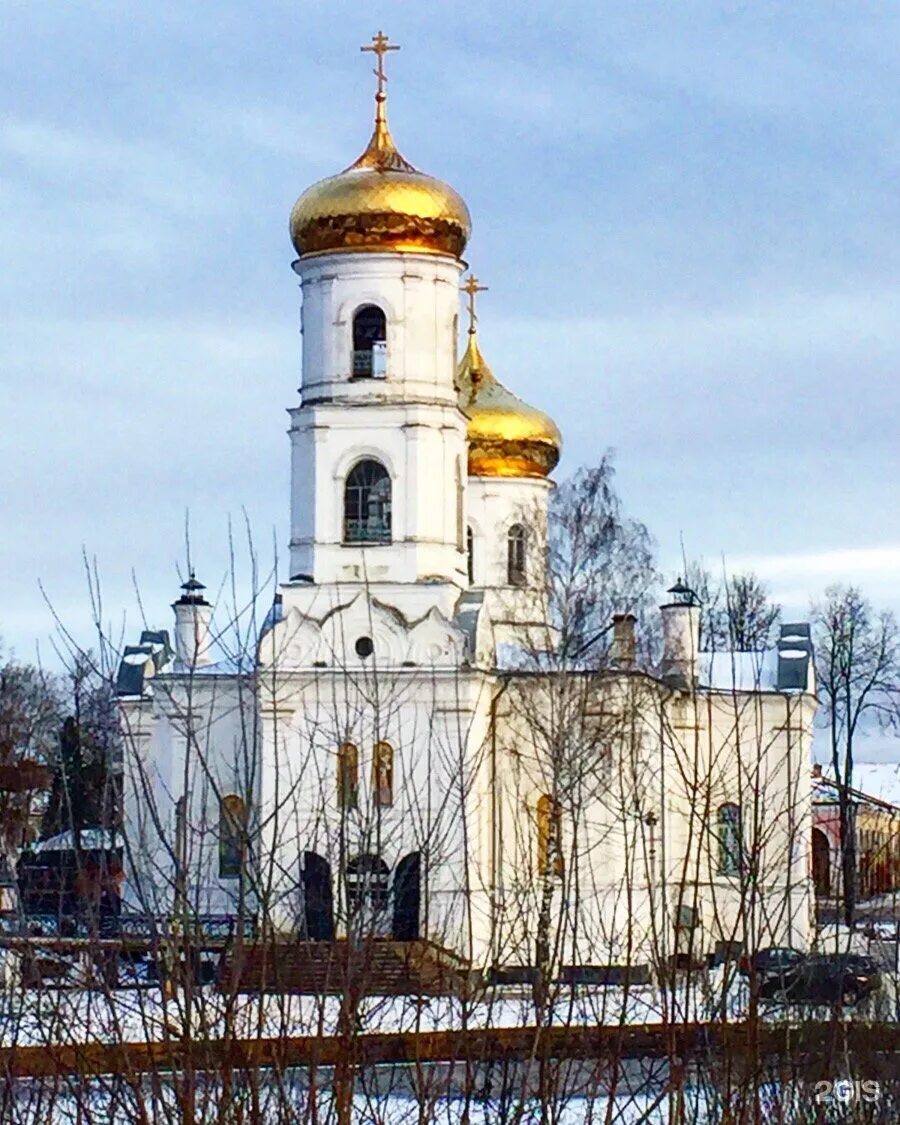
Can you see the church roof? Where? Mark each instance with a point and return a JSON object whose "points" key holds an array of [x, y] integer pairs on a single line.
{"points": [[786, 668], [142, 661]]}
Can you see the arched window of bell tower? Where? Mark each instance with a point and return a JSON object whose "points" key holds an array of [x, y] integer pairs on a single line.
{"points": [[367, 503], [369, 343]]}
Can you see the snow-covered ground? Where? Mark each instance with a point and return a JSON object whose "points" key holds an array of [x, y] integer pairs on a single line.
{"points": [[101, 1106], [401, 1097], [33, 1018], [387, 1096]]}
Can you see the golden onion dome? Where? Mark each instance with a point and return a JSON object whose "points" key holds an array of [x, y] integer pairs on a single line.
{"points": [[381, 202], [507, 437]]}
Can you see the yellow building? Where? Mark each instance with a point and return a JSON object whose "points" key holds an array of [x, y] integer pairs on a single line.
{"points": [[876, 823]]}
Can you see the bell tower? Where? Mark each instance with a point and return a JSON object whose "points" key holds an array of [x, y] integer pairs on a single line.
{"points": [[378, 440]]}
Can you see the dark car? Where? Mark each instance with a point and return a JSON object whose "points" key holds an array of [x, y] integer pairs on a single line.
{"points": [[837, 978], [773, 961]]}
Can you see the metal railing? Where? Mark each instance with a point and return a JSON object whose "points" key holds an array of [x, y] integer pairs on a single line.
{"points": [[370, 363]]}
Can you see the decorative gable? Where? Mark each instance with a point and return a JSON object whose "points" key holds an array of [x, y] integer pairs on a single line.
{"points": [[353, 634], [435, 642]]}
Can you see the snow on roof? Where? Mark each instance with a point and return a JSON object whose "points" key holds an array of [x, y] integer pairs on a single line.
{"points": [[786, 668], [721, 671], [227, 666], [92, 839], [739, 671]]}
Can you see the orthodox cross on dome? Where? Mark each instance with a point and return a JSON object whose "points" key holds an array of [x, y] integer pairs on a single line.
{"points": [[379, 47], [473, 289], [381, 152]]}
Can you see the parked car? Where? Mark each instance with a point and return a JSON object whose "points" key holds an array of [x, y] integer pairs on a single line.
{"points": [[836, 978], [773, 961]]}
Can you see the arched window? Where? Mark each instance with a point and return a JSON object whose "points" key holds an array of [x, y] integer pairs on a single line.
{"points": [[232, 830], [369, 343], [731, 844], [367, 504], [470, 554], [367, 879], [348, 776], [549, 834], [383, 774], [516, 555]]}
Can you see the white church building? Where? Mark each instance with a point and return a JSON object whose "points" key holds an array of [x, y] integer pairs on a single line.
{"points": [[403, 753]]}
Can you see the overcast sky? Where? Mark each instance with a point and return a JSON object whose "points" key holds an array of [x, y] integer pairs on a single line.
{"points": [[687, 215]]}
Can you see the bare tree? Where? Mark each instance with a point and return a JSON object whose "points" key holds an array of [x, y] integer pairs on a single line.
{"points": [[31, 709], [601, 562], [89, 746], [857, 662], [736, 611], [711, 598], [752, 616], [582, 817]]}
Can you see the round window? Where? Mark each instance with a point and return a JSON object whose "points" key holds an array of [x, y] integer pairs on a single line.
{"points": [[364, 647]]}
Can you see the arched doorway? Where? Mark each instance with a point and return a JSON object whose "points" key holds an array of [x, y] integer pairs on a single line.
{"points": [[407, 897], [318, 900], [821, 863]]}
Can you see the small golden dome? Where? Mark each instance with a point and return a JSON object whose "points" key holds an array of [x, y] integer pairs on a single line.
{"points": [[381, 202], [507, 437]]}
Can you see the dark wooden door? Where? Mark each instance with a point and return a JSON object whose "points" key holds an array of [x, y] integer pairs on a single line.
{"points": [[407, 896], [318, 899], [821, 863]]}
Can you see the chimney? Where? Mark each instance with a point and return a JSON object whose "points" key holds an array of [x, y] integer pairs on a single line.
{"points": [[681, 636], [622, 651], [192, 619]]}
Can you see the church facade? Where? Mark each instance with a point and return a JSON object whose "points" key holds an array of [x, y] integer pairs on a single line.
{"points": [[403, 753]]}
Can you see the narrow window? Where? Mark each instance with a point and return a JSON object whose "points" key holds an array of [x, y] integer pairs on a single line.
{"points": [[348, 776], [369, 343], [460, 505], [181, 856], [232, 829], [731, 844], [549, 832], [383, 774], [515, 555], [470, 554], [367, 504]]}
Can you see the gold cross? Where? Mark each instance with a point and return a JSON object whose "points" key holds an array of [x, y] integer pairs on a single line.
{"points": [[380, 47], [472, 288]]}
